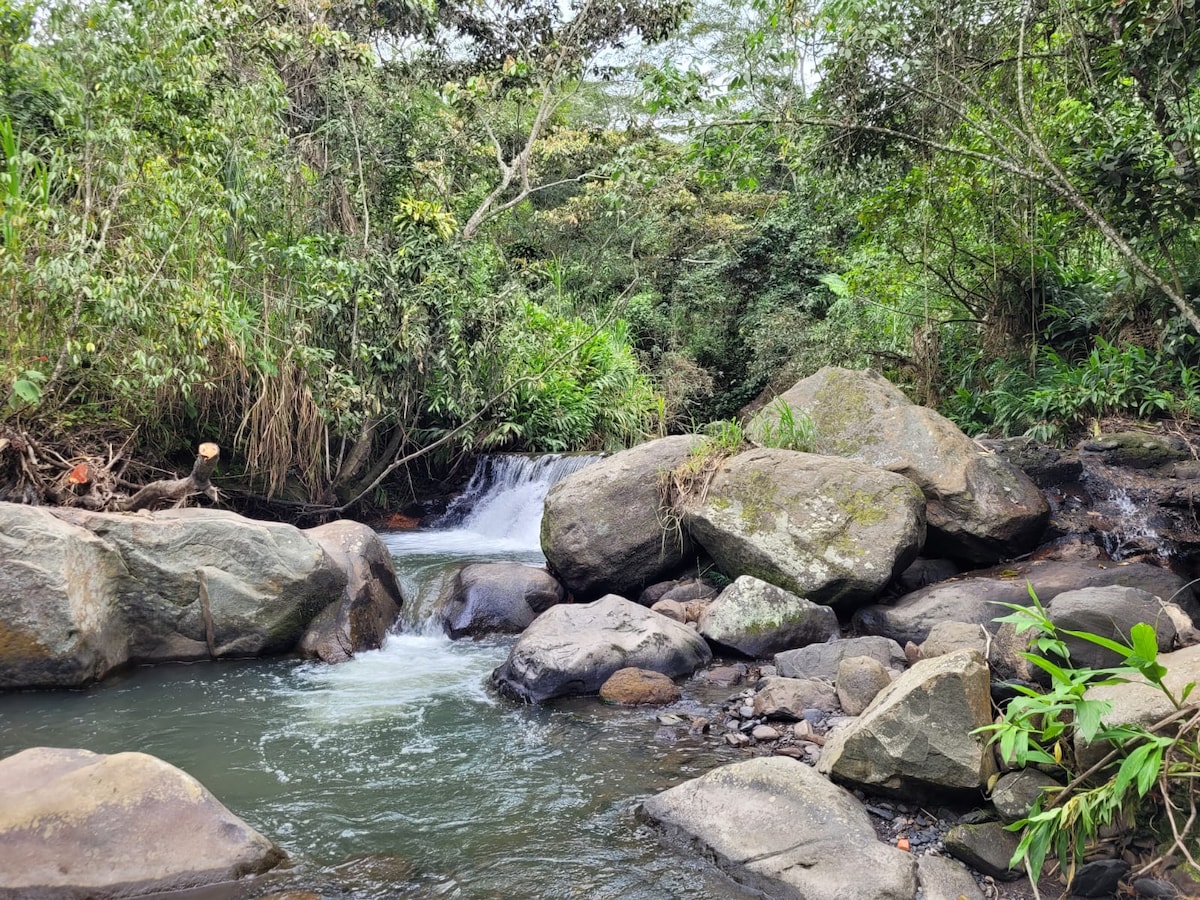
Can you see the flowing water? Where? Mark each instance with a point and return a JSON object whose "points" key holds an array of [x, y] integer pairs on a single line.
{"points": [[398, 774]]}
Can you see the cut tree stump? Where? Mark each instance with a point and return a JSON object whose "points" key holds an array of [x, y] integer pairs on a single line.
{"points": [[173, 490]]}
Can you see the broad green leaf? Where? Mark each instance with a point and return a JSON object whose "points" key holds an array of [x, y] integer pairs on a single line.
{"points": [[1088, 714]]}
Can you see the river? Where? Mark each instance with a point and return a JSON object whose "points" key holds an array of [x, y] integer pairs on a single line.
{"points": [[398, 774]]}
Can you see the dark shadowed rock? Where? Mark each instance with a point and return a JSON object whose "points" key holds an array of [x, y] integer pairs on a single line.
{"points": [[604, 529], [822, 660], [80, 824], [776, 826], [496, 598], [915, 739], [758, 619], [832, 531], [574, 648], [977, 599], [370, 601], [980, 508]]}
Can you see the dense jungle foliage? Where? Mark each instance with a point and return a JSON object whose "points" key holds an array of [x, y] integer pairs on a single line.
{"points": [[331, 235]]}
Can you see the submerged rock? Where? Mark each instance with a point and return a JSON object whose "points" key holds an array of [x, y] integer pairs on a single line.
{"points": [[758, 619], [574, 648], [604, 529], [830, 530], [496, 598], [82, 593], [370, 603], [81, 824], [980, 508], [776, 826]]}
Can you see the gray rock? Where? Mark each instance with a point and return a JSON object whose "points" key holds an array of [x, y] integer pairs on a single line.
{"points": [[672, 609], [943, 878], [80, 824], [977, 600], [1137, 449], [1015, 792], [604, 529], [788, 698], [859, 681], [822, 660], [776, 826], [82, 593], [987, 847], [1109, 612], [946, 637], [758, 619], [830, 530], [574, 648], [980, 508], [496, 598], [916, 737], [370, 602]]}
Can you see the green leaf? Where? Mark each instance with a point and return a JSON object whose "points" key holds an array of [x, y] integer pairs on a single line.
{"points": [[1112, 645], [1088, 714], [1144, 641], [27, 390]]}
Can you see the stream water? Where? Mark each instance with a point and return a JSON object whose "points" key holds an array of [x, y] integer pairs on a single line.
{"points": [[398, 774]]}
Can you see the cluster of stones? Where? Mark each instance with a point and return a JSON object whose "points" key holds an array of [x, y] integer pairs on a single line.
{"points": [[811, 542]]}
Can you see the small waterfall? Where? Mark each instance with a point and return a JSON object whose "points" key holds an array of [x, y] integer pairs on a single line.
{"points": [[504, 497], [497, 518], [1132, 532]]}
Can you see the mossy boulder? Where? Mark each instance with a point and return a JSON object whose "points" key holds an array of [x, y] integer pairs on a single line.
{"points": [[980, 508], [605, 530], [831, 530], [758, 619]]}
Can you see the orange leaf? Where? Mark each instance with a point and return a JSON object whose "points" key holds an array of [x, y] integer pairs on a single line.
{"points": [[79, 475]]}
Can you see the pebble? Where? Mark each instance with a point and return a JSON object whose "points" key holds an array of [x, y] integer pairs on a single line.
{"points": [[736, 739], [764, 733], [746, 712]]}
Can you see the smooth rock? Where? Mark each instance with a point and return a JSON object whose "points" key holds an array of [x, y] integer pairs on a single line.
{"points": [[980, 508], [943, 878], [776, 826], [83, 593], [822, 660], [859, 681], [639, 687], [496, 598], [946, 637], [788, 698], [978, 600], [832, 531], [1109, 612], [758, 619], [80, 824], [574, 648], [672, 609], [916, 737], [370, 602], [604, 529]]}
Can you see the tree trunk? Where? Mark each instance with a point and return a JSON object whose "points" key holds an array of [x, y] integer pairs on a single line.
{"points": [[173, 490]]}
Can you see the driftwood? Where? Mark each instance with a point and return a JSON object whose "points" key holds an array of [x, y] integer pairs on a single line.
{"points": [[175, 490]]}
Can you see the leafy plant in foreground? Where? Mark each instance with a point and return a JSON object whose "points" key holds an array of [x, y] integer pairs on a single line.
{"points": [[1038, 727]]}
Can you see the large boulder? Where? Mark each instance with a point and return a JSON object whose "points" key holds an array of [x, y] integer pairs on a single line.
{"points": [[360, 618], [915, 739], [980, 599], [80, 824], [778, 827], [832, 531], [82, 593], [496, 598], [981, 508], [604, 528], [758, 619], [574, 648]]}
